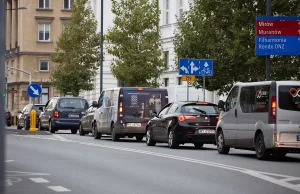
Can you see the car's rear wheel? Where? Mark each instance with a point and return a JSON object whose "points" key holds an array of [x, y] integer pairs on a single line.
{"points": [[221, 146], [149, 140], [74, 131], [81, 131], [139, 137], [40, 128], [198, 145], [260, 149], [18, 126], [114, 135], [27, 125], [95, 132], [172, 142], [51, 128]]}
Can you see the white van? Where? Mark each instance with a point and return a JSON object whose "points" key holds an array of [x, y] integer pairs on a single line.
{"points": [[261, 116]]}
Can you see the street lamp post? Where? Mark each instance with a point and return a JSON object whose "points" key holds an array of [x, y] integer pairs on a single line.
{"points": [[268, 58], [101, 49], [26, 72]]}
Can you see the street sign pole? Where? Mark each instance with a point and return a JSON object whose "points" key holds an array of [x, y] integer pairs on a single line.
{"points": [[2, 100], [268, 58], [187, 90], [203, 88]]}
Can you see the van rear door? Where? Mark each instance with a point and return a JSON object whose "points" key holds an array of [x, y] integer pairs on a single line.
{"points": [[288, 115]]}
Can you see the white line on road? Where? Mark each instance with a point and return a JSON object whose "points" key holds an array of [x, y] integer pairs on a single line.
{"points": [[59, 189], [9, 160], [60, 137], [257, 174], [18, 173], [39, 180]]}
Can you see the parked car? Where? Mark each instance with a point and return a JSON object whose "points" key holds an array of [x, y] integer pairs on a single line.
{"points": [[63, 113], [124, 112], [8, 118], [261, 116], [86, 122], [24, 115], [183, 122]]}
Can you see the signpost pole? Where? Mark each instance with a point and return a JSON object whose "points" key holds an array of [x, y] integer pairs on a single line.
{"points": [[203, 88], [268, 58], [187, 90], [30, 99]]}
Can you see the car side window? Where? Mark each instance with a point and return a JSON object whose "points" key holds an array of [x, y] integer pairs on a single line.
{"points": [[100, 101], [232, 98], [173, 108], [164, 111], [28, 109]]}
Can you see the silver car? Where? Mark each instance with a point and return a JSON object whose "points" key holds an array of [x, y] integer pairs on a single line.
{"points": [[261, 116]]}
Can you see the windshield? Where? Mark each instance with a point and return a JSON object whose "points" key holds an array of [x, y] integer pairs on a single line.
{"points": [[143, 103], [202, 109], [73, 103], [289, 98]]}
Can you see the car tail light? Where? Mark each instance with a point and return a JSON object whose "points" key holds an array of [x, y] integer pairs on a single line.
{"points": [[55, 114], [273, 107], [217, 118], [183, 118]]}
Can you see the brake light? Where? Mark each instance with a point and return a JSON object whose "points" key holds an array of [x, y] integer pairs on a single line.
{"points": [[140, 89], [273, 107], [55, 114], [183, 118], [217, 118]]}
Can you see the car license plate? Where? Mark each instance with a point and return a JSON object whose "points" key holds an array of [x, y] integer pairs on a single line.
{"points": [[206, 131], [298, 137], [73, 116], [134, 124]]}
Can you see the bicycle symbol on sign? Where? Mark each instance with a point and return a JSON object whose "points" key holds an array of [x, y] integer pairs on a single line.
{"points": [[206, 71]]}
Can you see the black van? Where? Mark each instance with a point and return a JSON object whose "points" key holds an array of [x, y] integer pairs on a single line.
{"points": [[125, 112]]}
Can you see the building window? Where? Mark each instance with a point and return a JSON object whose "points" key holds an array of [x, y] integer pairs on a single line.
{"points": [[180, 8], [179, 80], [45, 95], [44, 66], [166, 82], [44, 4], [167, 8], [68, 4], [166, 59], [44, 32]]}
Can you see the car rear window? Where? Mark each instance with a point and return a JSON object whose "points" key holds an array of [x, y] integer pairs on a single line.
{"points": [[36, 108], [73, 103], [289, 98], [202, 108]]}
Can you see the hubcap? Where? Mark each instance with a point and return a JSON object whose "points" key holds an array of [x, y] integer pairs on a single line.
{"points": [[220, 141], [148, 136], [170, 138], [260, 146]]}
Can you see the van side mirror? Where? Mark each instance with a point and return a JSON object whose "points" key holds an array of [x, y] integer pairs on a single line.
{"points": [[221, 105], [95, 104], [154, 114]]}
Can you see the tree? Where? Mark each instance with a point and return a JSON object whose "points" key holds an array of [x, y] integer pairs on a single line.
{"points": [[225, 32], [135, 42], [77, 52]]}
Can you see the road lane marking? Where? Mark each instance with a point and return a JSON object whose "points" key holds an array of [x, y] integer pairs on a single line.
{"points": [[257, 174], [39, 180], [10, 180], [59, 137], [19, 173], [9, 160], [59, 189]]}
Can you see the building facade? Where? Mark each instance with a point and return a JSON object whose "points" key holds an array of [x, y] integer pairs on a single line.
{"points": [[170, 79], [31, 38]]}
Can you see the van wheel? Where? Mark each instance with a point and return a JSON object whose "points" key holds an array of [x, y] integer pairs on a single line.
{"points": [[139, 137], [95, 133], [260, 149], [172, 142], [51, 128], [149, 140], [114, 136], [221, 146], [81, 131]]}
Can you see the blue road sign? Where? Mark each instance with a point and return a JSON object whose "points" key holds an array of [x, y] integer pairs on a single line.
{"points": [[277, 35], [196, 67], [34, 90]]}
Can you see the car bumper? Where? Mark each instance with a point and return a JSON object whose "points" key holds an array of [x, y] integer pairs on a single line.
{"points": [[191, 135], [129, 130], [66, 124]]}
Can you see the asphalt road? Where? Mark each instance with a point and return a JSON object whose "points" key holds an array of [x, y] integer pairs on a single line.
{"points": [[67, 163]]}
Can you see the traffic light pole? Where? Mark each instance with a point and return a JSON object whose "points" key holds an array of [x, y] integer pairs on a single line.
{"points": [[2, 86]]}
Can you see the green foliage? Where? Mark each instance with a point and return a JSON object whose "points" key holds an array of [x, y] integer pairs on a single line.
{"points": [[135, 42], [225, 32], [77, 52]]}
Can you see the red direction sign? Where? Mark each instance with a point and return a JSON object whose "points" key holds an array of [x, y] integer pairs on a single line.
{"points": [[277, 28]]}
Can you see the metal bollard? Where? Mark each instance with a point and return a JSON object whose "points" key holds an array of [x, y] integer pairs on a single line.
{"points": [[32, 121]]}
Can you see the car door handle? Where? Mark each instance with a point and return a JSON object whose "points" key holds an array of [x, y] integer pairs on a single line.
{"points": [[235, 113]]}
